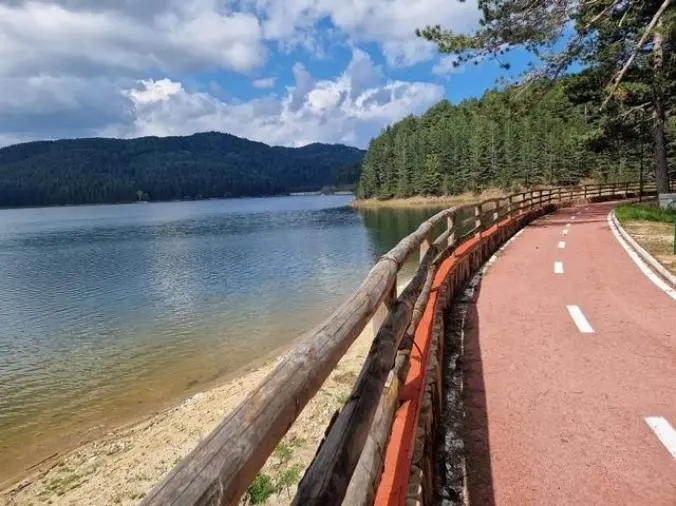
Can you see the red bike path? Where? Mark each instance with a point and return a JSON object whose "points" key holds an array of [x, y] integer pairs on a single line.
{"points": [[556, 415]]}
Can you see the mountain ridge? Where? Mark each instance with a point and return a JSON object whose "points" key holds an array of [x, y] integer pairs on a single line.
{"points": [[201, 165]]}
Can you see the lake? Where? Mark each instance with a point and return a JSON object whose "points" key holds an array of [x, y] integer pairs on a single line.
{"points": [[108, 313]]}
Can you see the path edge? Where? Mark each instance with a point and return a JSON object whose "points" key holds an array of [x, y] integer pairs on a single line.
{"points": [[660, 275]]}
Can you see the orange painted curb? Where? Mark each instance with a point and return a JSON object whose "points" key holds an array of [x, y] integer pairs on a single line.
{"points": [[393, 487]]}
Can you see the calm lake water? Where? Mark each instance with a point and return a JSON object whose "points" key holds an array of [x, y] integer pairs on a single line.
{"points": [[111, 312]]}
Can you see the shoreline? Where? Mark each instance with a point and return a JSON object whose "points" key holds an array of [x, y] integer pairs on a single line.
{"points": [[122, 466], [92, 432], [422, 201], [128, 203]]}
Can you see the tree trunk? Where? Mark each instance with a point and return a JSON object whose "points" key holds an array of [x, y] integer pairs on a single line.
{"points": [[659, 115]]}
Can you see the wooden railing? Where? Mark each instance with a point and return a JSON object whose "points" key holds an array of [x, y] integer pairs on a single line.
{"points": [[220, 469]]}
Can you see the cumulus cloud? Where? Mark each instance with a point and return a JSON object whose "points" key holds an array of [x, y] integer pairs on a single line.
{"points": [[350, 109], [38, 37], [72, 68], [60, 106], [391, 24]]}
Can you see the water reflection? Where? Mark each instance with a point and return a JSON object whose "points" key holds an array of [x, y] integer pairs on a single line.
{"points": [[111, 311], [387, 226]]}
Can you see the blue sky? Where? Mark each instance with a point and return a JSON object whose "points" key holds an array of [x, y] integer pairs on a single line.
{"points": [[285, 72]]}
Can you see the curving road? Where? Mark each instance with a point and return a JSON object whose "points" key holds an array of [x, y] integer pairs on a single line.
{"points": [[570, 382]]}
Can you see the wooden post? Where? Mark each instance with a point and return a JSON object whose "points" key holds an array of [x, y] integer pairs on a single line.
{"points": [[363, 484], [424, 246], [509, 205], [559, 195], [450, 224], [384, 308], [640, 177], [477, 218], [496, 212], [585, 191]]}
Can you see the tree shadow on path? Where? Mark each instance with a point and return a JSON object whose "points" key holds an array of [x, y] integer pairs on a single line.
{"points": [[477, 442], [463, 474]]}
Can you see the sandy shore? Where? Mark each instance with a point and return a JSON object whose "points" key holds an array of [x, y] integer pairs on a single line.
{"points": [[122, 467]]}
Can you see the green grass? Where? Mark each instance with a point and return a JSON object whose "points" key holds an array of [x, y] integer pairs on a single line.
{"points": [[289, 477], [634, 212], [62, 484], [265, 485], [283, 452], [260, 489]]}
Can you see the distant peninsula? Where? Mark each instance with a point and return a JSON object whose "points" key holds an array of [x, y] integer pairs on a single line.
{"points": [[199, 166]]}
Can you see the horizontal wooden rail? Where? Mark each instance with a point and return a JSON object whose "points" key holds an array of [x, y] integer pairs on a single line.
{"points": [[222, 466]]}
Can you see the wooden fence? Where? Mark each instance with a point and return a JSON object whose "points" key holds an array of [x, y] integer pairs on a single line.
{"points": [[222, 466]]}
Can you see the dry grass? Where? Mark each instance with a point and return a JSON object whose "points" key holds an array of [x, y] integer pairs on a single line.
{"points": [[419, 201], [656, 237]]}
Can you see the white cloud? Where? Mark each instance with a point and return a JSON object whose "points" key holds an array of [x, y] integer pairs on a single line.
{"points": [[349, 109], [390, 23], [266, 82], [155, 91], [38, 37], [49, 106], [71, 68]]}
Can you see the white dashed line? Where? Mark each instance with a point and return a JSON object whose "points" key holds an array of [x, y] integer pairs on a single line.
{"points": [[564, 231], [562, 244], [664, 432], [567, 225], [558, 267], [580, 319], [572, 217]]}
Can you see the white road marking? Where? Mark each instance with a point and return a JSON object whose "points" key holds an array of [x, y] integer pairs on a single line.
{"points": [[564, 231], [572, 217], [649, 273], [562, 244], [580, 319], [558, 267], [664, 432], [567, 225]]}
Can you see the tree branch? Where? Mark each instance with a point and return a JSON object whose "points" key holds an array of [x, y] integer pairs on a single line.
{"points": [[626, 13], [566, 55], [620, 75], [632, 109]]}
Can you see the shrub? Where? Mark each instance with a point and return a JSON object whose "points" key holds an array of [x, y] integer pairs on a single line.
{"points": [[260, 489], [629, 212]]}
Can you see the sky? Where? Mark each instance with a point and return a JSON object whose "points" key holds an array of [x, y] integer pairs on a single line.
{"points": [[284, 72]]}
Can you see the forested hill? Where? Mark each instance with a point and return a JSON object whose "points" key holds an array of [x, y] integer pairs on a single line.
{"points": [[203, 165], [516, 137]]}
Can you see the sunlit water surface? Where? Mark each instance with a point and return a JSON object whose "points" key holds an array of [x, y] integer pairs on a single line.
{"points": [[108, 313]]}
